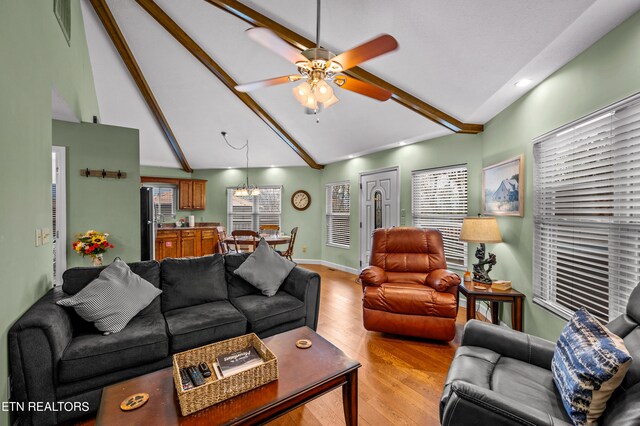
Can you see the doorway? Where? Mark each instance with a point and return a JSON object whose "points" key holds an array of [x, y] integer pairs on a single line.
{"points": [[379, 206], [59, 212]]}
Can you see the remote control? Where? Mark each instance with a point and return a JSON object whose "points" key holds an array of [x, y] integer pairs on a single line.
{"points": [[196, 376], [186, 380], [204, 369]]}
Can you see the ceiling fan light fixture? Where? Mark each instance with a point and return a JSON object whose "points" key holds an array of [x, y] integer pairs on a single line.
{"points": [[302, 92], [332, 100], [323, 92]]}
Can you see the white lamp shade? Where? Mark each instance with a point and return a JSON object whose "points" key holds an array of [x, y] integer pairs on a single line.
{"points": [[302, 92], [480, 230], [330, 102], [323, 92]]}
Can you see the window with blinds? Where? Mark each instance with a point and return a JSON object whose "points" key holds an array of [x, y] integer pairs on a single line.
{"points": [[439, 201], [164, 201], [586, 216], [251, 212], [62, 11], [338, 214]]}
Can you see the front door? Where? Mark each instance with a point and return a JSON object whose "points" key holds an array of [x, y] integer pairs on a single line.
{"points": [[379, 206]]}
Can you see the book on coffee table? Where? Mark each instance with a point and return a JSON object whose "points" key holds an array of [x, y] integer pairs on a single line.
{"points": [[237, 361], [501, 285]]}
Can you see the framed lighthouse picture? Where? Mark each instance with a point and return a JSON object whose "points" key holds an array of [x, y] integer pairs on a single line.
{"points": [[502, 193]]}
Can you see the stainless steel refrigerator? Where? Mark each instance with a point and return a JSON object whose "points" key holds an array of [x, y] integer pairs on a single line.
{"points": [[148, 225]]}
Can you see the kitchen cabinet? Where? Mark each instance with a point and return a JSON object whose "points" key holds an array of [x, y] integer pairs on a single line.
{"points": [[186, 242], [167, 244], [192, 194]]}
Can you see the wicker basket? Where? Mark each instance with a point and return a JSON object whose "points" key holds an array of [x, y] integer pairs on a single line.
{"points": [[214, 390]]}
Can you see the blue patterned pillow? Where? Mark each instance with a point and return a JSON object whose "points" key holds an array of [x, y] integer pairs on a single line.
{"points": [[589, 363]]}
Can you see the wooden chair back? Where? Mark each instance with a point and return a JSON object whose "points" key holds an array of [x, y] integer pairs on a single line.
{"points": [[222, 235], [289, 252], [246, 244]]}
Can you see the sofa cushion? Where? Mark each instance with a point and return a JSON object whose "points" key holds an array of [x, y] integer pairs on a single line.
{"points": [[267, 312], [410, 299], [75, 279], [113, 299], [204, 324], [143, 340], [265, 269], [236, 285], [193, 281], [589, 363]]}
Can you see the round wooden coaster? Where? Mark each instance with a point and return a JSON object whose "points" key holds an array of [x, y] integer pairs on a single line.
{"points": [[304, 344], [134, 401]]}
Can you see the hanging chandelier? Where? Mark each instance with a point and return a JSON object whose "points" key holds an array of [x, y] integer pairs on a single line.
{"points": [[243, 189]]}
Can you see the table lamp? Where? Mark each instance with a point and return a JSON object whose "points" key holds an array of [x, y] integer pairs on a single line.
{"points": [[481, 230]]}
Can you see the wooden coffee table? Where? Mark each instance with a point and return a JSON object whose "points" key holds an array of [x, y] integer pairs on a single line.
{"points": [[304, 374]]}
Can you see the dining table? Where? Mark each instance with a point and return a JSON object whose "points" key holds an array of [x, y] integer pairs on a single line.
{"points": [[272, 240]]}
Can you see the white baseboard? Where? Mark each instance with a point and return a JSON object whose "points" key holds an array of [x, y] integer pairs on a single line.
{"points": [[327, 264]]}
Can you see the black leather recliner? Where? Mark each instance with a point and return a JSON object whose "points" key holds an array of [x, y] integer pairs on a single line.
{"points": [[503, 377]]}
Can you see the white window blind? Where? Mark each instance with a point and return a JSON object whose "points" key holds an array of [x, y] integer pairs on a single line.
{"points": [[338, 214], [439, 201], [251, 212], [586, 215]]}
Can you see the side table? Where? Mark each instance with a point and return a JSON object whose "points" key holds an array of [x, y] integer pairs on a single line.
{"points": [[495, 297]]}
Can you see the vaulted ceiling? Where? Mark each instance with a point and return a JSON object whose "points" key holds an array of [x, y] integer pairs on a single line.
{"points": [[461, 57]]}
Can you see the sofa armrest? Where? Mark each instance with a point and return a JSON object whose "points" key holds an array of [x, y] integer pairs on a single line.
{"points": [[467, 404], [509, 343], [373, 275], [305, 285], [442, 279], [36, 343]]}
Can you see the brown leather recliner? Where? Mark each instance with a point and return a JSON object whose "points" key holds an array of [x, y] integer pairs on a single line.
{"points": [[407, 287]]}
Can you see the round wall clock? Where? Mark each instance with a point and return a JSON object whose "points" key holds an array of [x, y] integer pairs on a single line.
{"points": [[301, 200]]}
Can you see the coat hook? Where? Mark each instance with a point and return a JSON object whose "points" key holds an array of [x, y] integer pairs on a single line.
{"points": [[119, 174], [104, 174], [87, 173]]}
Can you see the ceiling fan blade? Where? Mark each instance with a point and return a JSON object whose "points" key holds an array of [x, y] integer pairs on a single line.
{"points": [[362, 88], [254, 85], [369, 50], [270, 40]]}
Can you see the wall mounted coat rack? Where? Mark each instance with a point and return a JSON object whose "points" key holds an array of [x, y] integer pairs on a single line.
{"points": [[103, 174]]}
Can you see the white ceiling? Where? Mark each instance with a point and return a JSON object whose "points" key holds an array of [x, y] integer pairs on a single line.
{"points": [[460, 56]]}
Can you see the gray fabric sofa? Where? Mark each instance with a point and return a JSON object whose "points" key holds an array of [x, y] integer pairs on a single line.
{"points": [[55, 356], [503, 377]]}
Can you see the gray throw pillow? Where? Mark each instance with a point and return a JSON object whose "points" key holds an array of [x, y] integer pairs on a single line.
{"points": [[265, 269], [113, 299]]}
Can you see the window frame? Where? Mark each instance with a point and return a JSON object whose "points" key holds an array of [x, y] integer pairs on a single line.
{"points": [[457, 218], [255, 208], [329, 214], [175, 207], [552, 229]]}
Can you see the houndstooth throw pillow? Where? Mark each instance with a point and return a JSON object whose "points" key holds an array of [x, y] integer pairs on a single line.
{"points": [[113, 299]]}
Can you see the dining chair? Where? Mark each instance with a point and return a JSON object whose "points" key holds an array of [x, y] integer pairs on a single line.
{"points": [[222, 235], [269, 229], [248, 243], [288, 253]]}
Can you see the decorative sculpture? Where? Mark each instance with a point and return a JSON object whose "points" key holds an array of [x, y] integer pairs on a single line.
{"points": [[479, 273]]}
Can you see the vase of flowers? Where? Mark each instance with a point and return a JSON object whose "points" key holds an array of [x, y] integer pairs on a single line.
{"points": [[94, 244]]}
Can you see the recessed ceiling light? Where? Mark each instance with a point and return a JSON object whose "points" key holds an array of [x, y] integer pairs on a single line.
{"points": [[402, 143], [351, 156], [523, 83], [272, 165], [229, 167]]}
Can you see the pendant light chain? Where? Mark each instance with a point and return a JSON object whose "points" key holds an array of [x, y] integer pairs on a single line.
{"points": [[244, 189]]}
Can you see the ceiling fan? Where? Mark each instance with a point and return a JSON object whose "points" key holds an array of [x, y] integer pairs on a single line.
{"points": [[318, 66]]}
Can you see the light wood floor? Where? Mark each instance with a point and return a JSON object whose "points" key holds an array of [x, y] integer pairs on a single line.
{"points": [[401, 378]]}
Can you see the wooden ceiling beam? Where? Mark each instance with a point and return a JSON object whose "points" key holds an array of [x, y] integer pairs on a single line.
{"points": [[120, 43], [405, 99], [188, 43]]}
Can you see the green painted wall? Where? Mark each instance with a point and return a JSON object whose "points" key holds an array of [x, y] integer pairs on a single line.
{"points": [[292, 179], [167, 172], [107, 205], [605, 73], [445, 151], [35, 58]]}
